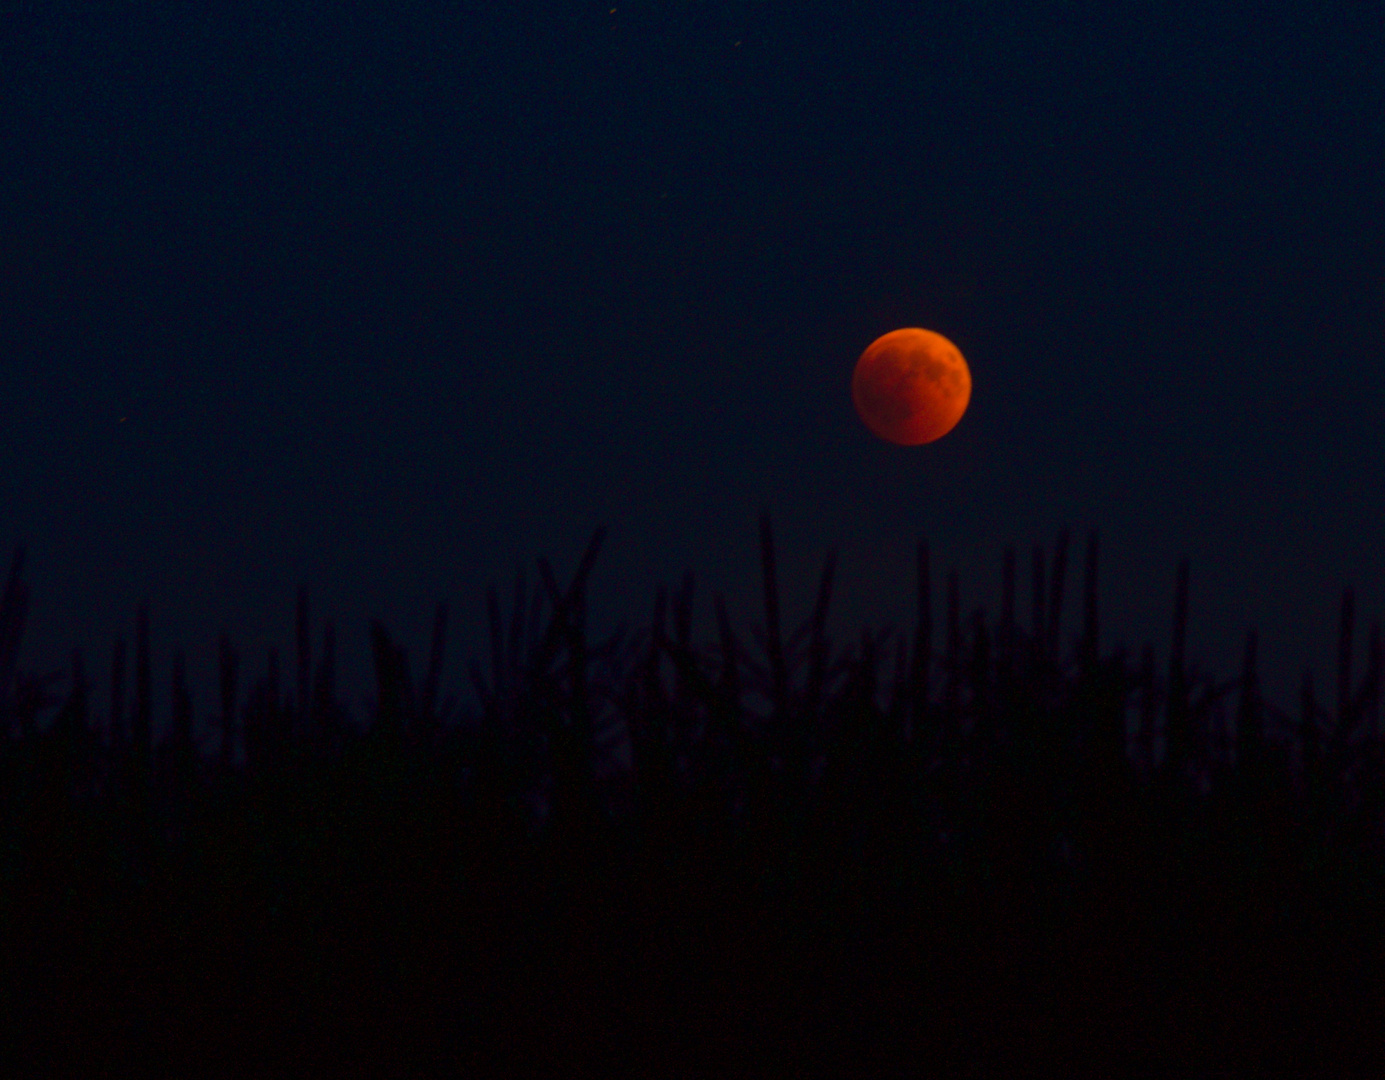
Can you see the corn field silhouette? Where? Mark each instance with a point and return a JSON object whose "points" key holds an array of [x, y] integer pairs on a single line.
{"points": [[769, 847]]}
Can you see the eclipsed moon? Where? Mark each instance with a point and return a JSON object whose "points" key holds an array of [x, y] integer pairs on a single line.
{"points": [[911, 386]]}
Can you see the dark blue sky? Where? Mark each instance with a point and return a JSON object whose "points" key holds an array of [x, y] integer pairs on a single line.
{"points": [[392, 298]]}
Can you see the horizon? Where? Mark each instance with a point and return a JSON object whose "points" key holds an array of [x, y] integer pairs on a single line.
{"points": [[797, 574]]}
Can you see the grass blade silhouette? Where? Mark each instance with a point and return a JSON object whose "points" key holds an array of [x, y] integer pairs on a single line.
{"points": [[1091, 645], [1054, 646], [228, 665], [303, 635], [774, 645], [1177, 729], [922, 660]]}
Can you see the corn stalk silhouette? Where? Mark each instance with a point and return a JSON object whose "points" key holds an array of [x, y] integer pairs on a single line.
{"points": [[774, 779]]}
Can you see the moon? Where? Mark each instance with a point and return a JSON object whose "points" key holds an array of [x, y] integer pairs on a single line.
{"points": [[911, 386]]}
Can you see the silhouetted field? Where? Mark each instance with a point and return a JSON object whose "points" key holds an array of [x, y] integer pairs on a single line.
{"points": [[766, 851]]}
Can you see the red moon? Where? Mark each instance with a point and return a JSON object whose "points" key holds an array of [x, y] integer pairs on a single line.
{"points": [[911, 386]]}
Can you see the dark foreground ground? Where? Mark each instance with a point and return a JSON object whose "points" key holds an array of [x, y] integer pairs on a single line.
{"points": [[377, 916]]}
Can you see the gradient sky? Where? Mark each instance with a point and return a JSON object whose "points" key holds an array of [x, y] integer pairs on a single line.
{"points": [[392, 298]]}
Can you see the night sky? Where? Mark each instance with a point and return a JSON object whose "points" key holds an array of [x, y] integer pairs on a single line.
{"points": [[391, 299]]}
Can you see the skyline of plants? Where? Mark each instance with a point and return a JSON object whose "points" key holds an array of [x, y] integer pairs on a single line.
{"points": [[770, 801]]}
